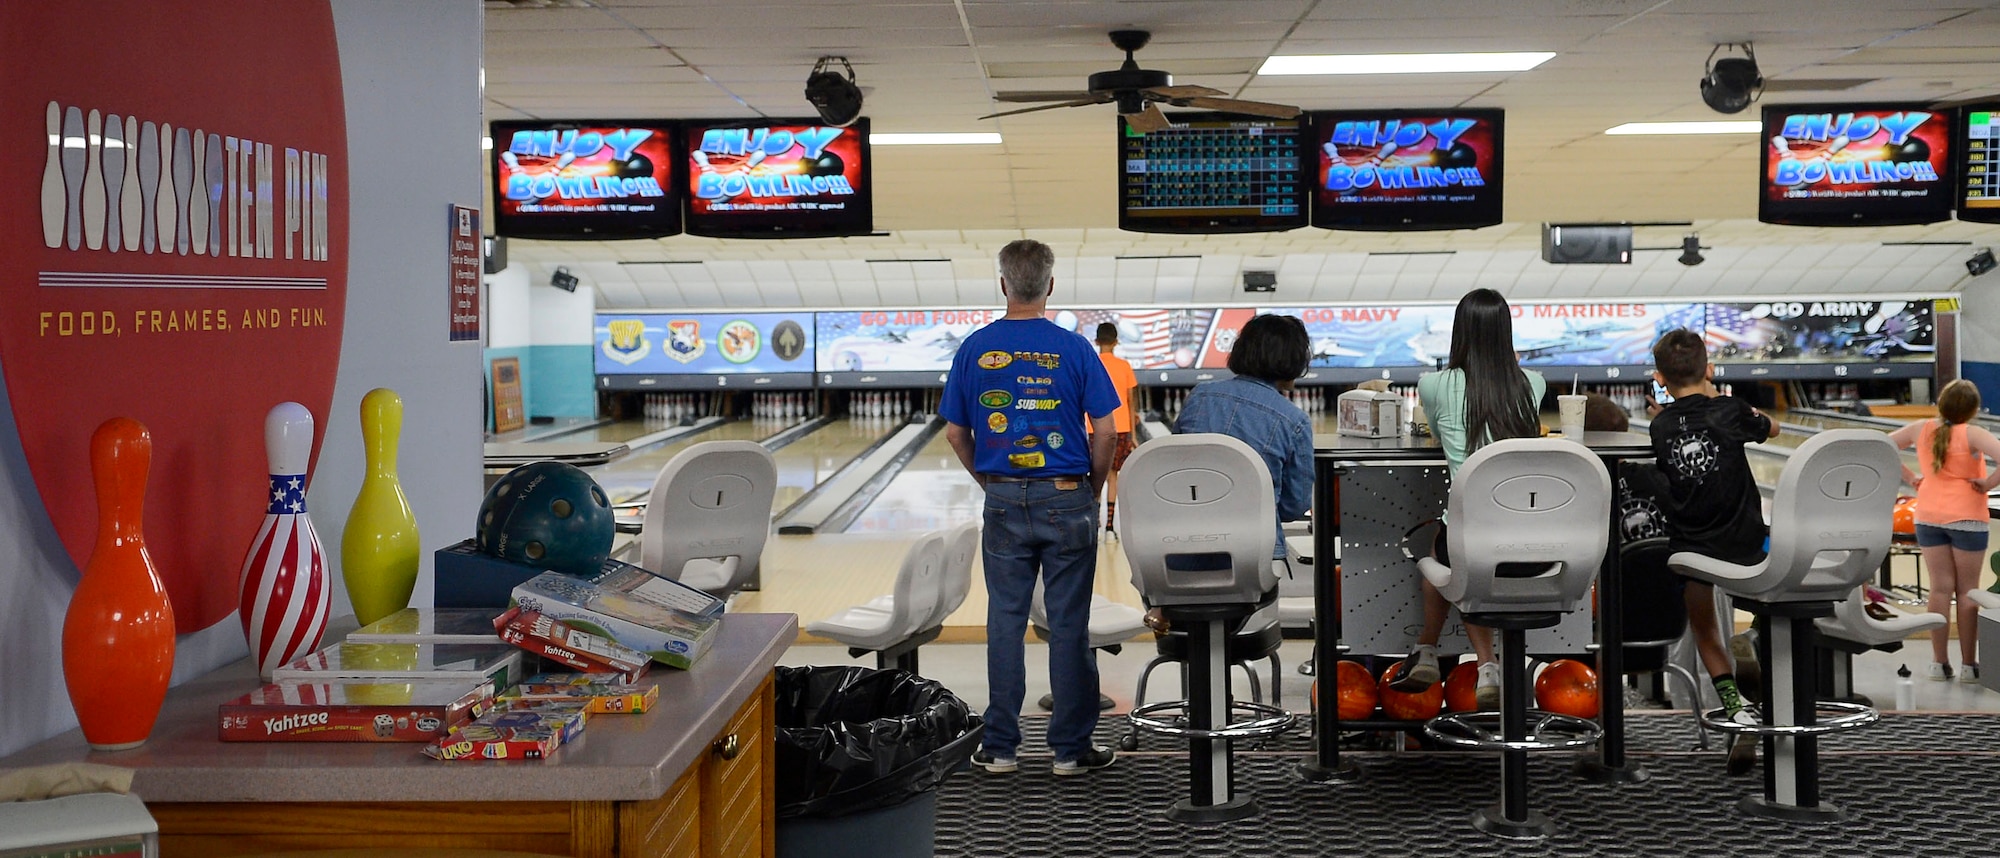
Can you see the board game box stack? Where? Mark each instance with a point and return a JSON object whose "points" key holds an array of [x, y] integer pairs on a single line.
{"points": [[354, 710], [526, 732], [661, 618], [559, 642]]}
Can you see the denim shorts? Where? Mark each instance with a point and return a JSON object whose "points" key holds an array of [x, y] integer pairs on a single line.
{"points": [[1930, 536]]}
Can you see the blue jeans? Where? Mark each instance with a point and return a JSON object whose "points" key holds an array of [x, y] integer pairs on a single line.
{"points": [[1036, 527]]}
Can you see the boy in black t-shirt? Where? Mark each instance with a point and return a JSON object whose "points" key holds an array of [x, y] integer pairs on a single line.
{"points": [[1711, 503]]}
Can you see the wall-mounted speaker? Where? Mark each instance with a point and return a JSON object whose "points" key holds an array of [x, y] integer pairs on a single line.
{"points": [[496, 254], [1587, 243], [1260, 281]]}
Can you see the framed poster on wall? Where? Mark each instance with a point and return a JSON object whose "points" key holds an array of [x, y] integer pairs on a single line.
{"points": [[508, 414]]}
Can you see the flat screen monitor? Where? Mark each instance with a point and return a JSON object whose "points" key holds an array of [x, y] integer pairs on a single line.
{"points": [[653, 343], [1979, 165], [576, 179], [1211, 173], [1398, 170], [777, 179], [1855, 165]]}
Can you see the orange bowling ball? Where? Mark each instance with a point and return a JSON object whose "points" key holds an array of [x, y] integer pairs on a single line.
{"points": [[1567, 687], [1397, 705], [1905, 516], [1357, 691], [1461, 687]]}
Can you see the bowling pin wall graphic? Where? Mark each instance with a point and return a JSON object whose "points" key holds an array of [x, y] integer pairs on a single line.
{"points": [[52, 182], [286, 592], [118, 634], [379, 549]]}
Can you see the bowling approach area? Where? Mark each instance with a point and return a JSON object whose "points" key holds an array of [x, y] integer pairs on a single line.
{"points": [[1392, 786]]}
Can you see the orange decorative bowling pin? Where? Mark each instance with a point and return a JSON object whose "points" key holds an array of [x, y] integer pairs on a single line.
{"points": [[379, 548], [118, 636]]}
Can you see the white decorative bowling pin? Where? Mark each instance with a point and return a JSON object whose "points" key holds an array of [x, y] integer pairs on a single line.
{"points": [[130, 204], [214, 176], [53, 212], [287, 594], [183, 187], [73, 151], [93, 182]]}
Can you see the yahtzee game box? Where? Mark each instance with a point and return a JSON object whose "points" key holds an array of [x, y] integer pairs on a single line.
{"points": [[343, 710]]}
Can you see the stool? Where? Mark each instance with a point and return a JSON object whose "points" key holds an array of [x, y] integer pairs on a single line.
{"points": [[1830, 528], [1559, 495], [1255, 638], [1850, 631], [1198, 511], [709, 515]]}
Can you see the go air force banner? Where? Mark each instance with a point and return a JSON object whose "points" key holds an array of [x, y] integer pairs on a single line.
{"points": [[173, 249]]}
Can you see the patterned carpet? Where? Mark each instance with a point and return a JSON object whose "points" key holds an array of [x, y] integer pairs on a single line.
{"points": [[1891, 778]]}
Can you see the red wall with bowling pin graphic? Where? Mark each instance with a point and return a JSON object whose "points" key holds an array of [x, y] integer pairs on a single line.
{"points": [[228, 294]]}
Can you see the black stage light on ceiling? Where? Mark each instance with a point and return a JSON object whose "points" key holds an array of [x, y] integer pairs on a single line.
{"points": [[1981, 262], [563, 280], [1729, 84], [1691, 250], [834, 95]]}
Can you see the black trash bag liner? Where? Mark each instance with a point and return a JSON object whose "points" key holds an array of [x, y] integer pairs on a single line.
{"points": [[854, 738]]}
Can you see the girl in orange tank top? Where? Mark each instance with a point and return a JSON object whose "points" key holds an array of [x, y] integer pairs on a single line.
{"points": [[1952, 516]]}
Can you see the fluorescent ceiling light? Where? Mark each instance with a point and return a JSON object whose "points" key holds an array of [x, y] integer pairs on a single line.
{"points": [[1733, 126], [1405, 63], [976, 138]]}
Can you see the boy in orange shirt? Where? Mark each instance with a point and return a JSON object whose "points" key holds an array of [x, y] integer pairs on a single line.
{"points": [[1127, 384]]}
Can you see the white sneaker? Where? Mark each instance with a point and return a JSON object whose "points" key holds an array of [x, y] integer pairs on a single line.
{"points": [[1939, 672], [1968, 674], [1486, 692]]}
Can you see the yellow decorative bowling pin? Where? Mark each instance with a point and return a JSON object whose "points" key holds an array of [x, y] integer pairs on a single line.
{"points": [[379, 549]]}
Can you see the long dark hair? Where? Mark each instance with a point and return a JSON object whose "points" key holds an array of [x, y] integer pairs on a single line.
{"points": [[1499, 404]]}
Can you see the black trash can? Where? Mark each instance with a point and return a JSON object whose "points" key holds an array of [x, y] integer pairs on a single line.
{"points": [[860, 755]]}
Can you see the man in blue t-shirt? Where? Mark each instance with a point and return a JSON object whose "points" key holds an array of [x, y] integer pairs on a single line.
{"points": [[1014, 406]]}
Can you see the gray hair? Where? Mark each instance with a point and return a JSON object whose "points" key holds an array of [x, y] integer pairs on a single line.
{"points": [[1025, 268]]}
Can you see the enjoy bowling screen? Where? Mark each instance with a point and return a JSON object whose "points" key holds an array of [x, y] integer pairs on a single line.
{"points": [[696, 343], [584, 180], [1407, 170], [1847, 165], [765, 180]]}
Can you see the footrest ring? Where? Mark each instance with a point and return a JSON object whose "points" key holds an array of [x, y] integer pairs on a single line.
{"points": [[1264, 720], [1547, 731], [1838, 716]]}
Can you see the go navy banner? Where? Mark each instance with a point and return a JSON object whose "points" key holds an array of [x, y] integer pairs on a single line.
{"points": [[173, 248]]}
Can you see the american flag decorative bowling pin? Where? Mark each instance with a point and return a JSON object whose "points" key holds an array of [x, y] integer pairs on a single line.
{"points": [[286, 591]]}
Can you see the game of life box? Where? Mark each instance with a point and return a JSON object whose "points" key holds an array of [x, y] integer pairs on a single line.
{"points": [[348, 710], [618, 606]]}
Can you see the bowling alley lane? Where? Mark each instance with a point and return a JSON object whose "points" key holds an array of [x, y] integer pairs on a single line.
{"points": [[632, 475], [620, 432], [932, 492], [802, 464]]}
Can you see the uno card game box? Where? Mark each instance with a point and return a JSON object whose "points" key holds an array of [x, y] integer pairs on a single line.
{"points": [[497, 663], [580, 650], [598, 697], [430, 626], [615, 608], [530, 733], [345, 710]]}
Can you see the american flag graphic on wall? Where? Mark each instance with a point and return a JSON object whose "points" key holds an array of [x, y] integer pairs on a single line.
{"points": [[286, 597]]}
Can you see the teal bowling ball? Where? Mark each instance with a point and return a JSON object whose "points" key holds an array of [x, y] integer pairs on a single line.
{"points": [[549, 515]]}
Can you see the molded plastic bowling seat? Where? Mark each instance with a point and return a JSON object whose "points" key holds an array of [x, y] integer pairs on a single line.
{"points": [[895, 628], [1851, 631], [1527, 536], [1257, 639], [1830, 528], [1198, 511], [709, 515]]}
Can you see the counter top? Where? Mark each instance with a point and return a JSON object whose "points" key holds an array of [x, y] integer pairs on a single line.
{"points": [[619, 757]]}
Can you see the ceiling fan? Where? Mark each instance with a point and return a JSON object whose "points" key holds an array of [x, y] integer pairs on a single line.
{"points": [[1140, 92]]}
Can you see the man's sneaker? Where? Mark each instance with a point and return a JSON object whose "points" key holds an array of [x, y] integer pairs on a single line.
{"points": [[1939, 672], [1419, 673], [1968, 674], [1096, 758], [1749, 674], [1486, 692], [998, 765]]}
